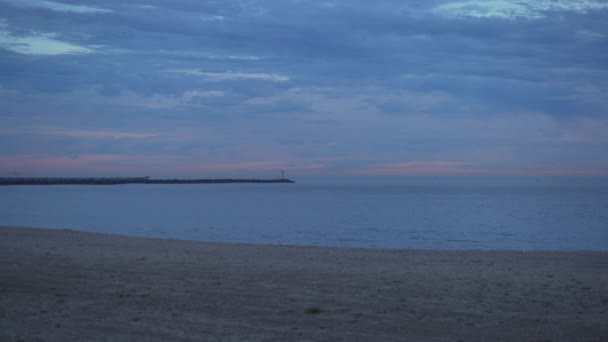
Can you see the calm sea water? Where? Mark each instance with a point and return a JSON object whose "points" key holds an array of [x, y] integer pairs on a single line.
{"points": [[518, 214]]}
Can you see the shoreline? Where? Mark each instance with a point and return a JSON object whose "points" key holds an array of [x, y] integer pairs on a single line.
{"points": [[72, 285], [287, 245]]}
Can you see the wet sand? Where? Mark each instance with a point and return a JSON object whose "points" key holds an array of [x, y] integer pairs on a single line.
{"points": [[60, 285]]}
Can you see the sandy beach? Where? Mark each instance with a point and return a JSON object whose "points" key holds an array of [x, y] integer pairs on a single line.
{"points": [[63, 285]]}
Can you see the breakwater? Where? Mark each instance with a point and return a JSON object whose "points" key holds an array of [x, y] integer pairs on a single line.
{"points": [[130, 180]]}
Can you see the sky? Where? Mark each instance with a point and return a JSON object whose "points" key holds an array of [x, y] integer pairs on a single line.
{"points": [[237, 88]]}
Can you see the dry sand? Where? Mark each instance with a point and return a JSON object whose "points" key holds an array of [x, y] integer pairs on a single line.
{"points": [[58, 285]]}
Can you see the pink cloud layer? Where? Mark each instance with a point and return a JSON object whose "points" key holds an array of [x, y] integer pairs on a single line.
{"points": [[163, 165], [417, 168], [447, 168], [150, 165]]}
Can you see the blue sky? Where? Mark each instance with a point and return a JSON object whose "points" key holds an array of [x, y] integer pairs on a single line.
{"points": [[191, 88]]}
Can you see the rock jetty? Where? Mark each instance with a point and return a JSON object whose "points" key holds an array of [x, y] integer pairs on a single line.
{"points": [[130, 180]]}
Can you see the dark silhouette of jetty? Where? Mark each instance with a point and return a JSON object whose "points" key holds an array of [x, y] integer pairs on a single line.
{"points": [[131, 180]]}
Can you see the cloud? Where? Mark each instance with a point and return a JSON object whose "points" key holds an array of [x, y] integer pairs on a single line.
{"points": [[511, 9], [80, 133], [154, 165], [417, 168], [36, 43], [56, 6], [223, 76], [190, 94]]}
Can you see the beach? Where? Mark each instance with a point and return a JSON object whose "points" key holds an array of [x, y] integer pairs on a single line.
{"points": [[65, 285]]}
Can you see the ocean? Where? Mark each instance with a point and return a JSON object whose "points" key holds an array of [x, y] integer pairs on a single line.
{"points": [[420, 213]]}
